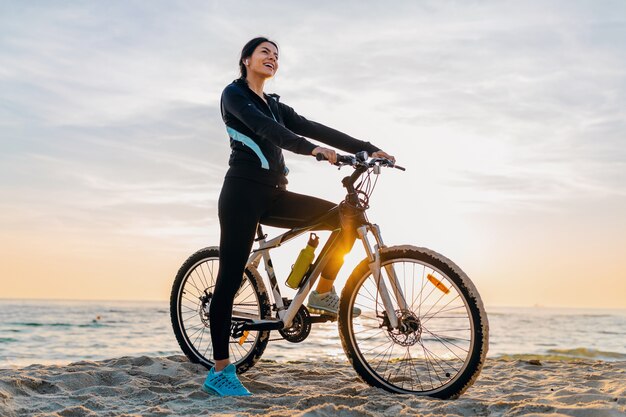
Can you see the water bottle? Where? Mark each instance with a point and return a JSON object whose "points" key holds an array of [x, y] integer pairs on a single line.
{"points": [[303, 262]]}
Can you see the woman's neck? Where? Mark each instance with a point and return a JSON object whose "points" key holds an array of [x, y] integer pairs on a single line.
{"points": [[256, 84]]}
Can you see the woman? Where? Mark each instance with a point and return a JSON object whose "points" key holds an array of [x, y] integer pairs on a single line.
{"points": [[254, 191]]}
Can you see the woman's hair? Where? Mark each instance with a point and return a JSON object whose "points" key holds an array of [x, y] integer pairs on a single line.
{"points": [[247, 51]]}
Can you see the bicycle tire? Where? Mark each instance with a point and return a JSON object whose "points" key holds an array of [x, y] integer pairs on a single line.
{"points": [[446, 276], [200, 271]]}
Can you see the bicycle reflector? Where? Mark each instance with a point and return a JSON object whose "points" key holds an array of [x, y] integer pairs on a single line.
{"points": [[438, 284], [243, 338]]}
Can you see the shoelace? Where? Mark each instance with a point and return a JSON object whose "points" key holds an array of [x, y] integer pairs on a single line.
{"points": [[332, 300], [223, 380]]}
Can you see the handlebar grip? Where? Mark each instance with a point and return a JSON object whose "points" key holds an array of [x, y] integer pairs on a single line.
{"points": [[340, 158]]}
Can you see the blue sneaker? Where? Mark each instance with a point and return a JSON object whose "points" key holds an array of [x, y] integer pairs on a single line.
{"points": [[225, 383]]}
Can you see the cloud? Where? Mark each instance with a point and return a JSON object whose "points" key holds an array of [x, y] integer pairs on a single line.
{"points": [[114, 105], [151, 173]]}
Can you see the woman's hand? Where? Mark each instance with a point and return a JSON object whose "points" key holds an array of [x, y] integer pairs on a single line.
{"points": [[382, 154], [328, 153]]}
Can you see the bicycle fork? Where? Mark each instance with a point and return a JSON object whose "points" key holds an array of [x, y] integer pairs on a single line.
{"points": [[374, 265]]}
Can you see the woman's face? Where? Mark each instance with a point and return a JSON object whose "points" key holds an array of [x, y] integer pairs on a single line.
{"points": [[264, 60]]}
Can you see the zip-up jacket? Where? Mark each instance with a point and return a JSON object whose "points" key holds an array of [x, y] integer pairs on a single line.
{"points": [[259, 131]]}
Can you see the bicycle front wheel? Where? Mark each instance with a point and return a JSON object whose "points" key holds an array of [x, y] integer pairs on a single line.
{"points": [[441, 345], [189, 311]]}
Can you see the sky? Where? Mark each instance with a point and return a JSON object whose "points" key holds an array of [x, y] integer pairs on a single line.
{"points": [[508, 115]]}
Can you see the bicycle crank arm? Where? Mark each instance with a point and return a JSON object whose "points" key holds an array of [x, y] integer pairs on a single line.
{"points": [[323, 318], [259, 325], [243, 316]]}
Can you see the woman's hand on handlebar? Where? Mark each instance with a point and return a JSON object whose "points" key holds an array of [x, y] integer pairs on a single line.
{"points": [[382, 154], [329, 154]]}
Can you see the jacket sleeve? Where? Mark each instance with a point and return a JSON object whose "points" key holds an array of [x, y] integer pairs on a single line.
{"points": [[302, 126], [240, 106]]}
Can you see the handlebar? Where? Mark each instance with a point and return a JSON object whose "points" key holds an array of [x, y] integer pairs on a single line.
{"points": [[360, 159]]}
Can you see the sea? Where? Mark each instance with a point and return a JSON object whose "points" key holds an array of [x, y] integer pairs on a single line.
{"points": [[61, 332]]}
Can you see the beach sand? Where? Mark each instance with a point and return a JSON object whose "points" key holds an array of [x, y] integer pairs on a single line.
{"points": [[170, 386]]}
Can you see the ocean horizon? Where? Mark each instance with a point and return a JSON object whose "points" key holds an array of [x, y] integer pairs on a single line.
{"points": [[63, 331]]}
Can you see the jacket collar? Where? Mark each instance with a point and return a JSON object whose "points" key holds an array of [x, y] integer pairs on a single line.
{"points": [[244, 84]]}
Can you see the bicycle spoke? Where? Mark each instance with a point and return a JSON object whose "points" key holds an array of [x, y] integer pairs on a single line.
{"points": [[208, 346], [400, 368], [193, 284], [465, 329], [203, 277], [191, 300], [387, 341], [446, 345], [384, 353], [189, 310], [428, 361], [426, 314], [441, 359], [211, 270], [434, 315], [201, 336], [416, 373], [236, 345], [374, 299], [189, 318], [367, 330], [201, 327]]}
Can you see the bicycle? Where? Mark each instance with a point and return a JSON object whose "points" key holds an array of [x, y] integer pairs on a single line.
{"points": [[411, 299]]}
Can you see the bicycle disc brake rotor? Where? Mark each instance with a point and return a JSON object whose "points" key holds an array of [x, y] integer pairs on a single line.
{"points": [[300, 327], [203, 308], [410, 331]]}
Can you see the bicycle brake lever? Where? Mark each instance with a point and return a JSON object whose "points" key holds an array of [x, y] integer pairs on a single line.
{"points": [[388, 163], [392, 164]]}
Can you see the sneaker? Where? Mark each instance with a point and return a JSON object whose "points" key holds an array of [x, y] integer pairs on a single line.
{"points": [[225, 383], [327, 303]]}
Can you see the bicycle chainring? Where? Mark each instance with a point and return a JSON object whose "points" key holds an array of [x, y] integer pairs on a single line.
{"points": [[300, 327]]}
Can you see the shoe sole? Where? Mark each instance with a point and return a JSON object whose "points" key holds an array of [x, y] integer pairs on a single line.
{"points": [[322, 311], [211, 391], [317, 310]]}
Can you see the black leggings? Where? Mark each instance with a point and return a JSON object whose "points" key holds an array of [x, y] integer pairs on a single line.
{"points": [[243, 204]]}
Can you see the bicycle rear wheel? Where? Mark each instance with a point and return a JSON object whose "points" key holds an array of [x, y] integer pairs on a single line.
{"points": [[442, 346], [189, 311]]}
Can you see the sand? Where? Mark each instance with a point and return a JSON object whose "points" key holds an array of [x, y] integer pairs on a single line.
{"points": [[170, 386]]}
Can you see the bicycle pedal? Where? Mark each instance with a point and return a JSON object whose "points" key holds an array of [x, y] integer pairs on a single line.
{"points": [[322, 318]]}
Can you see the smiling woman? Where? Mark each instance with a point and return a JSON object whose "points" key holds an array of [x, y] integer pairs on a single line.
{"points": [[255, 191]]}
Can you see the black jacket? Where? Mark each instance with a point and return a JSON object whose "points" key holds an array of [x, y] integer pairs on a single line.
{"points": [[258, 132]]}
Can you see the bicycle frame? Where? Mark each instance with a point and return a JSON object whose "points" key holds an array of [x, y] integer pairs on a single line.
{"points": [[285, 314]]}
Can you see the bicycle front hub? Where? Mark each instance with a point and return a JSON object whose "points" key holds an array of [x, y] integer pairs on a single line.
{"points": [[409, 331]]}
